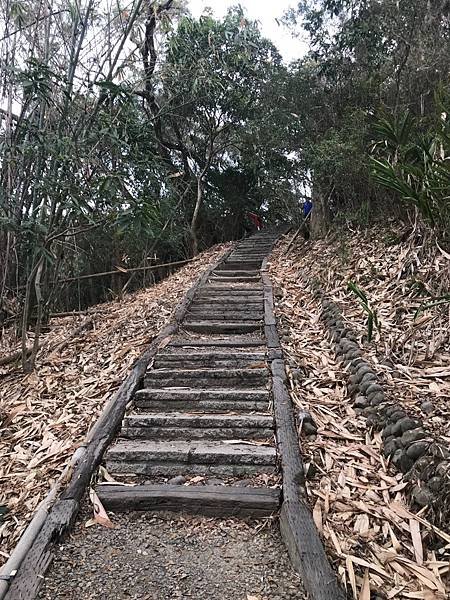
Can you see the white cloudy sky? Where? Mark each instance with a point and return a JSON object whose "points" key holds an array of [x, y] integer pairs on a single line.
{"points": [[266, 12]]}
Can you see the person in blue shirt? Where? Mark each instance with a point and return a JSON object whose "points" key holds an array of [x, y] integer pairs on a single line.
{"points": [[307, 208]]}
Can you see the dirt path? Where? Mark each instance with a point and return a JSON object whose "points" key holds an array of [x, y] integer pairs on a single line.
{"points": [[168, 557]]}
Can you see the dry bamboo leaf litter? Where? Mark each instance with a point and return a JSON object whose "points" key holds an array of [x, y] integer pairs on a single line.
{"points": [[357, 499], [45, 415]]}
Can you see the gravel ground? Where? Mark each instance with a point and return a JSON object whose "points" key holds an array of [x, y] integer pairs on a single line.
{"points": [[173, 557]]}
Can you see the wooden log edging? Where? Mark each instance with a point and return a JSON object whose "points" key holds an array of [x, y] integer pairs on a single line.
{"points": [[297, 526], [416, 452], [24, 580]]}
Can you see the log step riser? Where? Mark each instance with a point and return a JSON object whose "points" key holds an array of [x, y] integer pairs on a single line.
{"points": [[174, 469], [208, 315], [185, 363], [205, 499], [203, 383], [192, 433], [210, 406], [216, 328]]}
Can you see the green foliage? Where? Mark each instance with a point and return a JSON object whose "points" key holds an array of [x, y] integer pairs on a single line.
{"points": [[411, 158], [364, 58], [372, 316]]}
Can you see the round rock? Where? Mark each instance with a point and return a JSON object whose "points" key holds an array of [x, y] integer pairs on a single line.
{"points": [[417, 449], [427, 407], [396, 415], [361, 402], [407, 423], [178, 480], [413, 435], [422, 495], [376, 399]]}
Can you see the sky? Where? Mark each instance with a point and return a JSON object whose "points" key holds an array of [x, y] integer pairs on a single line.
{"points": [[264, 11]]}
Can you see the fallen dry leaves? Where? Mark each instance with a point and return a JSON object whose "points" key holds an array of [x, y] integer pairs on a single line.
{"points": [[378, 546], [44, 416]]}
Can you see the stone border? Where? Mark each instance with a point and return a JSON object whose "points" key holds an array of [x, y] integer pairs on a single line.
{"points": [[298, 530], [422, 457]]}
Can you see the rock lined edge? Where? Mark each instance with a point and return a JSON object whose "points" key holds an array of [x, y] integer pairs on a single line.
{"points": [[297, 527], [422, 457], [25, 580]]}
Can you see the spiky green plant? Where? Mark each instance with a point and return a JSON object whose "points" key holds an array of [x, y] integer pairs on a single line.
{"points": [[372, 316], [411, 157]]}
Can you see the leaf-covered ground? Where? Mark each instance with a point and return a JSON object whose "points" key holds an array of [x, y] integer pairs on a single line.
{"points": [[377, 544], [44, 416]]}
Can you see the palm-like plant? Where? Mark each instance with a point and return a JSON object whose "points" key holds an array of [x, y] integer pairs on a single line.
{"points": [[412, 158]]}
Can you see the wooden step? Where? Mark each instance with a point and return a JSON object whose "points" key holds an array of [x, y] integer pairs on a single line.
{"points": [[233, 287], [206, 378], [210, 401], [188, 426], [235, 342], [233, 292], [242, 289], [230, 302], [208, 359], [236, 309], [234, 279], [222, 315], [244, 265], [256, 302], [214, 327], [148, 457], [211, 500], [237, 272]]}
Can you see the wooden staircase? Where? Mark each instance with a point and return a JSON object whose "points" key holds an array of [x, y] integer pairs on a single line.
{"points": [[205, 407]]}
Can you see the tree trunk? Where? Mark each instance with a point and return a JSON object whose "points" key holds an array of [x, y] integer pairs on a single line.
{"points": [[320, 216], [194, 222]]}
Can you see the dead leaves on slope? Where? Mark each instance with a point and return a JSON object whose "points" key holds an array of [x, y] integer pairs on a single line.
{"points": [[358, 503]]}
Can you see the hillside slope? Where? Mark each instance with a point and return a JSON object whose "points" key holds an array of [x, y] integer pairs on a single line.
{"points": [[44, 416], [386, 530]]}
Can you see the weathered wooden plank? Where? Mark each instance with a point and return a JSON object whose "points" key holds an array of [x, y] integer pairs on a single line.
{"points": [[220, 395], [211, 359], [217, 342], [179, 403], [195, 433], [207, 499], [297, 526], [173, 469], [232, 277], [188, 426], [196, 420], [232, 290], [222, 326], [175, 354], [223, 316], [185, 452], [26, 583], [206, 378], [230, 273], [224, 303], [307, 553]]}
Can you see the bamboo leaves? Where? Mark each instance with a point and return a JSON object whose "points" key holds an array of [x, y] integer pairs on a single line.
{"points": [[372, 317]]}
